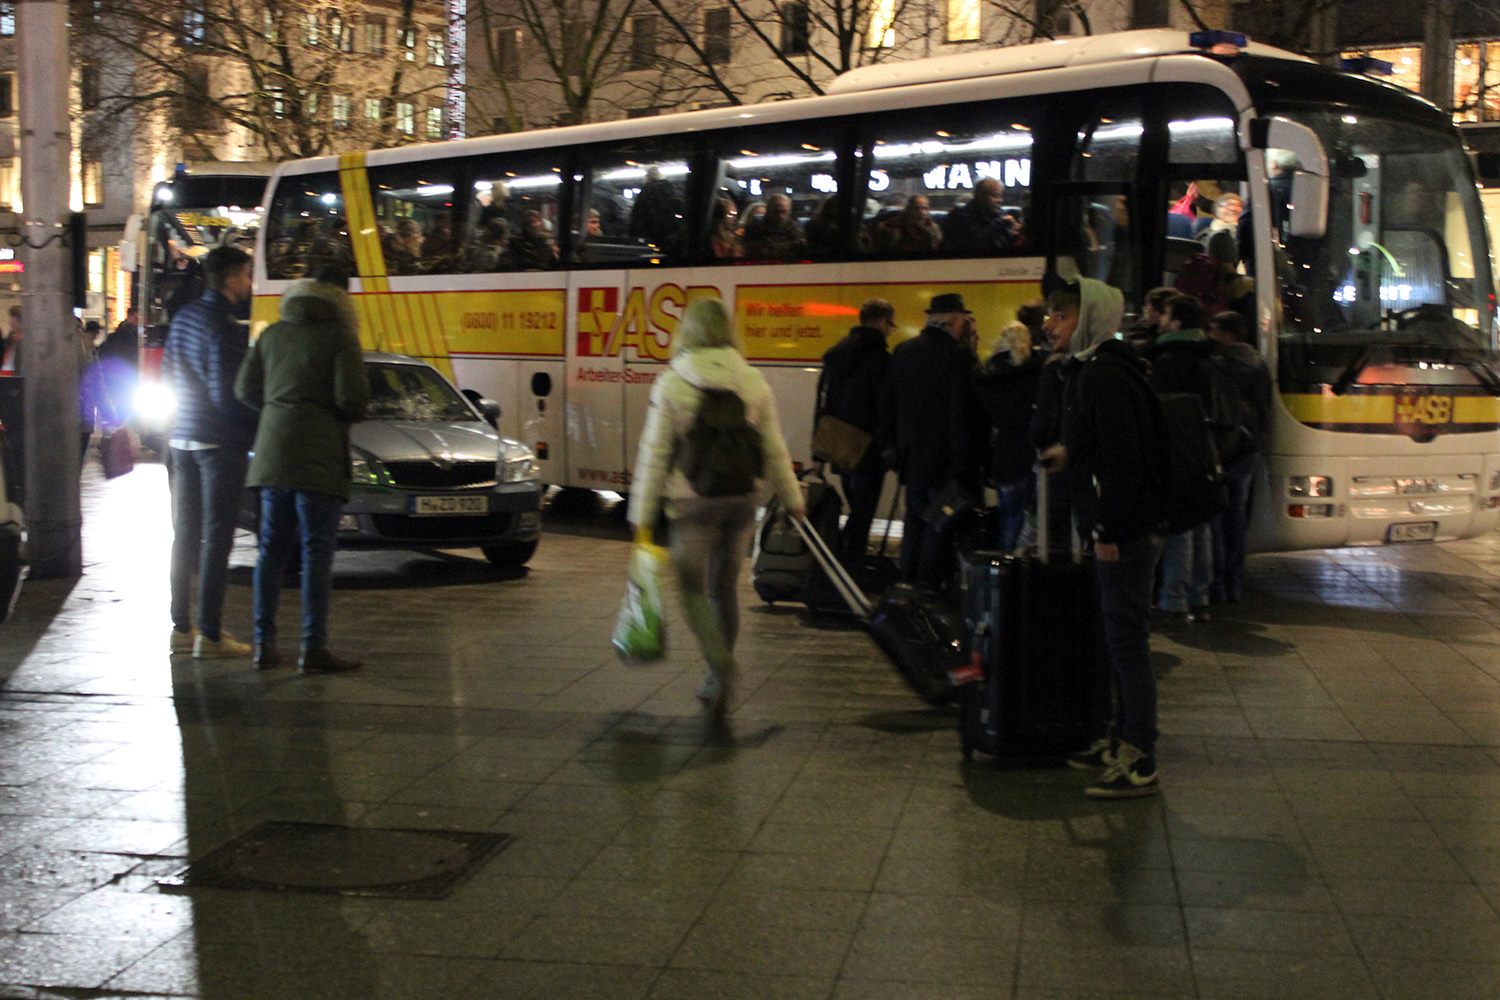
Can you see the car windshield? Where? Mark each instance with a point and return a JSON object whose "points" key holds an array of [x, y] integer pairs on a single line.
{"points": [[1404, 267], [413, 392]]}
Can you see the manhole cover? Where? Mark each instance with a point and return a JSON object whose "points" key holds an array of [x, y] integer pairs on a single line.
{"points": [[344, 860]]}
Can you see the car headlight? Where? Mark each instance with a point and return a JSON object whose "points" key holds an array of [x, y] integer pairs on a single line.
{"points": [[363, 470], [518, 463]]}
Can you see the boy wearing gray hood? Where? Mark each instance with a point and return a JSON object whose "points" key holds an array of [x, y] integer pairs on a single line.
{"points": [[1111, 432]]}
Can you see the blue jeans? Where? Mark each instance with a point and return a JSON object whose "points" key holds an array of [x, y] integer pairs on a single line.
{"points": [[206, 490], [1125, 603], [1231, 527], [1016, 500], [1187, 570], [862, 490], [287, 517]]}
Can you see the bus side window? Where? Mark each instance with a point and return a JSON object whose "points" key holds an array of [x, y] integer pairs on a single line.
{"points": [[786, 195], [954, 181], [510, 214], [414, 210], [306, 228], [636, 206]]}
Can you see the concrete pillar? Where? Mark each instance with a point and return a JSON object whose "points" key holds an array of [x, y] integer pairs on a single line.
{"points": [[50, 353]]}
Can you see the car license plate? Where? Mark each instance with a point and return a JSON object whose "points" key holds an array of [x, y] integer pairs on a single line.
{"points": [[440, 506], [1420, 531]]}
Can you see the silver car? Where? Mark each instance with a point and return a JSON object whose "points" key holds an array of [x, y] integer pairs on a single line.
{"points": [[430, 472]]}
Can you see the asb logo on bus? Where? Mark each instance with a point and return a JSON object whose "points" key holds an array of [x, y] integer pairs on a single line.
{"points": [[606, 326]]}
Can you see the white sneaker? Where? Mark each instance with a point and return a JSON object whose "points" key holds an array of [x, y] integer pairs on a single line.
{"points": [[182, 642], [227, 647]]}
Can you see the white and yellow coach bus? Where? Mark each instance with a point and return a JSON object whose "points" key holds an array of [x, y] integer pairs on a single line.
{"points": [[548, 269]]}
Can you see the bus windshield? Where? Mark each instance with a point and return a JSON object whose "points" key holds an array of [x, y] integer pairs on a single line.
{"points": [[1403, 273]]}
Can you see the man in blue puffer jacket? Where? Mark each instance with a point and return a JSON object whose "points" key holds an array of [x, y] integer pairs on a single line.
{"points": [[210, 444]]}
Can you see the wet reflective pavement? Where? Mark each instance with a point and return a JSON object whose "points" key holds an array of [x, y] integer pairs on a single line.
{"points": [[1328, 824]]}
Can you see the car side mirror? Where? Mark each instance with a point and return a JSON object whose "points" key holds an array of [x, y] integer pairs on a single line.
{"points": [[488, 408]]}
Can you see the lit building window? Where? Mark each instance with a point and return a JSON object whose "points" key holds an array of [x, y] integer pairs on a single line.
{"points": [[406, 117], [1476, 81], [963, 20], [93, 182], [882, 33], [434, 123], [341, 110], [1406, 64]]}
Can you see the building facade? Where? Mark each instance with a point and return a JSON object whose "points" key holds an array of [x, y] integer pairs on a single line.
{"points": [[200, 82]]}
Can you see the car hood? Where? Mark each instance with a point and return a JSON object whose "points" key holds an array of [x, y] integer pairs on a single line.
{"points": [[419, 440]]}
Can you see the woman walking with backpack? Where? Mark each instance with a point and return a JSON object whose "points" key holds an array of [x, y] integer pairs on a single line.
{"points": [[711, 437]]}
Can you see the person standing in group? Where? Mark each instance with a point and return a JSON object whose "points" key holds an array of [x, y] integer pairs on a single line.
{"points": [[210, 440], [1252, 377], [306, 376], [1006, 388], [1180, 362], [93, 405], [850, 389], [711, 435], [1112, 436], [922, 427], [10, 345]]}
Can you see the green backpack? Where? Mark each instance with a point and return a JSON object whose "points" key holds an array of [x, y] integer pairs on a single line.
{"points": [[721, 455]]}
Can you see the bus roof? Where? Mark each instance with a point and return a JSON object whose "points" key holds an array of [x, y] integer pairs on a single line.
{"points": [[1064, 52]]}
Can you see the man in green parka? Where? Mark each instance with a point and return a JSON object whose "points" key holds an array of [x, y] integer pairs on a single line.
{"points": [[306, 375]]}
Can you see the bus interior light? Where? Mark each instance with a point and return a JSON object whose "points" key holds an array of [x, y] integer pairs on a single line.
{"points": [[1309, 486]]}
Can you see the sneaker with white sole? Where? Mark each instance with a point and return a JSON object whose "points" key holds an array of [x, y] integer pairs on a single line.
{"points": [[182, 642], [1100, 756], [226, 647], [1132, 775], [714, 692]]}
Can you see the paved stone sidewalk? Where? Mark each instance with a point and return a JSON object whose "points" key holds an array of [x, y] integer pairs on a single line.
{"points": [[1327, 828]]}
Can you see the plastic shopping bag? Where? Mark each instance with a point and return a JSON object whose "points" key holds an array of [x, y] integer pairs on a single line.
{"points": [[640, 631]]}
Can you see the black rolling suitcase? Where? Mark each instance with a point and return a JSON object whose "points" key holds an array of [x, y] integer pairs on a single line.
{"points": [[783, 564], [1036, 684], [921, 633], [917, 629]]}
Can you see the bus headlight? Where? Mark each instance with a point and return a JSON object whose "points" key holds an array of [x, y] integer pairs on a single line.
{"points": [[518, 463], [1309, 486], [154, 405]]}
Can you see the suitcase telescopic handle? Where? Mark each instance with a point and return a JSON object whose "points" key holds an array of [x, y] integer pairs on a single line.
{"points": [[1044, 522]]}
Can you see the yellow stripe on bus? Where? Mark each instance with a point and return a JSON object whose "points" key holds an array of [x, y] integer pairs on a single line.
{"points": [[1314, 408], [1326, 409]]}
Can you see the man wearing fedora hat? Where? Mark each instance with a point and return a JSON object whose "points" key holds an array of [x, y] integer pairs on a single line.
{"points": [[921, 426]]}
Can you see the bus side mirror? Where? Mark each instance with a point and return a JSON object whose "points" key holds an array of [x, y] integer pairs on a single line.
{"points": [[1308, 203]]}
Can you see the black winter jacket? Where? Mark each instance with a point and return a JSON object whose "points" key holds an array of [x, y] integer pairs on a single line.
{"points": [[852, 382], [1113, 432], [205, 347], [923, 417], [1006, 394]]}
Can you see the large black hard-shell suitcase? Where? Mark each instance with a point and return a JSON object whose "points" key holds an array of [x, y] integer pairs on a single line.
{"points": [[783, 563], [922, 635], [1038, 677]]}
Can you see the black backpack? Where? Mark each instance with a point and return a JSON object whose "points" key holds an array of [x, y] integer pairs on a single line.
{"points": [[1192, 480], [1229, 410], [721, 455]]}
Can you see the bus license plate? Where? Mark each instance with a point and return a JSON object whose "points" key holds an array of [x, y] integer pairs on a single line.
{"points": [[1421, 531], [440, 506]]}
